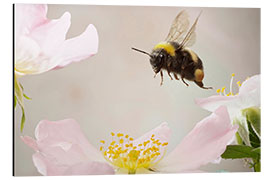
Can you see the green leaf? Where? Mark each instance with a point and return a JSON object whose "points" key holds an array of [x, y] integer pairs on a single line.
{"points": [[253, 115], [239, 152], [257, 150], [254, 139]]}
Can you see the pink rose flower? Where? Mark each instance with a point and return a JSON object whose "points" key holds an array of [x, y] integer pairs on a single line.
{"points": [[41, 44], [248, 96], [62, 149]]}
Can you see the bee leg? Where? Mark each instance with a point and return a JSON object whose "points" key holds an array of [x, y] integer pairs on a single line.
{"points": [[175, 76], [200, 84], [169, 74], [182, 77], [161, 75], [155, 75]]}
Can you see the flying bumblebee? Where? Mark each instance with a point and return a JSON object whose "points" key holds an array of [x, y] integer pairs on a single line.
{"points": [[174, 55]]}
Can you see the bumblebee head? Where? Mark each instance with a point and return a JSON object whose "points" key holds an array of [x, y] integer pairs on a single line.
{"points": [[156, 60]]}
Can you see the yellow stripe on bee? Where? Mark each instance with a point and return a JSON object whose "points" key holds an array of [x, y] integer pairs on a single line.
{"points": [[199, 75], [167, 47], [193, 55]]}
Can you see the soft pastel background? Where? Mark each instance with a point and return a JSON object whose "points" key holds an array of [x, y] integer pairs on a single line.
{"points": [[115, 89]]}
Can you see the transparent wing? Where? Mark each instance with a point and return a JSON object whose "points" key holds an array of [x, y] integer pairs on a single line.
{"points": [[179, 27], [190, 38]]}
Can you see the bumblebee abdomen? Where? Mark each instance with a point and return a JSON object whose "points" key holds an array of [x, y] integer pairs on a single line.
{"points": [[193, 56]]}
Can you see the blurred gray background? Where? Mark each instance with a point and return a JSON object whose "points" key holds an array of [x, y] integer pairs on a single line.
{"points": [[115, 89]]}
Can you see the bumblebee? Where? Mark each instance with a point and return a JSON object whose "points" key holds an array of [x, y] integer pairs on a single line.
{"points": [[174, 56]]}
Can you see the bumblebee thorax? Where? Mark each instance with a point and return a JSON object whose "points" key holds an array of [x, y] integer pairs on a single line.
{"points": [[167, 47]]}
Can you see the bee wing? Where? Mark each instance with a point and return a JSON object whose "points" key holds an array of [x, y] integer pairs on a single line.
{"points": [[179, 27], [190, 38]]}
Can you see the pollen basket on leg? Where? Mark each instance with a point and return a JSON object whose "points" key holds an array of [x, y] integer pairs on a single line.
{"points": [[123, 152]]}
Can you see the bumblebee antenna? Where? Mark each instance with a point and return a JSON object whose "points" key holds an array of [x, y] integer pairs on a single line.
{"points": [[141, 51]]}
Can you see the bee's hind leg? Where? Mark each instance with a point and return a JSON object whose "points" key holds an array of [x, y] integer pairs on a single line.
{"points": [[161, 76], [200, 84], [182, 77], [175, 76]]}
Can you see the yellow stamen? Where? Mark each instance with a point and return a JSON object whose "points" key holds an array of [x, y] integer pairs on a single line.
{"points": [[132, 157], [120, 135], [112, 134], [165, 144], [112, 143], [223, 89], [239, 83]]}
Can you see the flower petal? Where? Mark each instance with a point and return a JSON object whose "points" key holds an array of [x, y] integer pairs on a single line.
{"points": [[65, 141], [162, 132], [87, 168], [78, 48], [51, 35], [27, 51], [47, 166], [252, 83], [249, 95], [30, 142], [213, 102], [204, 144], [29, 16]]}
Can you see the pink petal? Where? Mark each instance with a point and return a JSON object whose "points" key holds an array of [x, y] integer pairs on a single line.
{"points": [[29, 16], [251, 84], [47, 166], [213, 102], [65, 140], [162, 132], [51, 35], [30, 142], [46, 40], [87, 168], [204, 144], [62, 149], [78, 48]]}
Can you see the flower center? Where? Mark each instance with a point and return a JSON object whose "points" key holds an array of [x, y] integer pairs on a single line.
{"points": [[123, 152], [222, 91]]}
